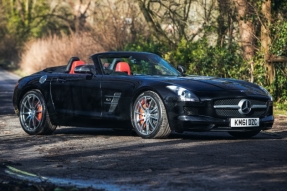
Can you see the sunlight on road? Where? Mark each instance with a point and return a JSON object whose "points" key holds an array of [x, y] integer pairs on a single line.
{"points": [[22, 175]]}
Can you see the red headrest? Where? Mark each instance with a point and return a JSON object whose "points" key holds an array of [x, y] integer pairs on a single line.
{"points": [[123, 67], [75, 64]]}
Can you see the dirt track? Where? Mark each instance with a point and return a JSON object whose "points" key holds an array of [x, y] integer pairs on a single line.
{"points": [[113, 160]]}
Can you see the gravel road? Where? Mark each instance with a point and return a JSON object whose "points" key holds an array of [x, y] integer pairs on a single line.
{"points": [[111, 160]]}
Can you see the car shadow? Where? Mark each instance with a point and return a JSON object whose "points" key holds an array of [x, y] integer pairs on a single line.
{"points": [[185, 135]]}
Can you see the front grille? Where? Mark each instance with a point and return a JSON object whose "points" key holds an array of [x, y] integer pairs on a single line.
{"points": [[190, 111], [227, 112], [234, 112], [259, 112], [227, 102], [236, 101]]}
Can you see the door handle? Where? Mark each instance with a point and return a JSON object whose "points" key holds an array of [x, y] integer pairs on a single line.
{"points": [[61, 80]]}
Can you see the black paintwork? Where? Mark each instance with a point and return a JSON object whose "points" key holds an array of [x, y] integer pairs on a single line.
{"points": [[83, 99]]}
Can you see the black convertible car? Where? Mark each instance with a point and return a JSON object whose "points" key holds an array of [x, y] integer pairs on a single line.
{"points": [[139, 91]]}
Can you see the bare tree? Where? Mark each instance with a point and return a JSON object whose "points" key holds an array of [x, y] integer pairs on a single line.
{"points": [[80, 10], [173, 20], [117, 23], [226, 21]]}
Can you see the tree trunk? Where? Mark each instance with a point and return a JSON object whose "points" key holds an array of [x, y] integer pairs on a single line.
{"points": [[80, 15], [221, 30], [265, 38], [246, 30]]}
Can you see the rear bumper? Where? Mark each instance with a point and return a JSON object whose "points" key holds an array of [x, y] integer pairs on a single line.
{"points": [[204, 123]]}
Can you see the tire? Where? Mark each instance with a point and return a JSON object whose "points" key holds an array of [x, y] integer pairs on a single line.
{"points": [[34, 117], [149, 117], [244, 135]]}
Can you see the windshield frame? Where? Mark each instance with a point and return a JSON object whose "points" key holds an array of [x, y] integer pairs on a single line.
{"points": [[141, 63]]}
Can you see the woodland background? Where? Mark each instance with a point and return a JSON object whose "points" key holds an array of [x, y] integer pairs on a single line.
{"points": [[244, 39]]}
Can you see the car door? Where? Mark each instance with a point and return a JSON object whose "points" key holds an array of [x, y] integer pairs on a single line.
{"points": [[61, 95], [76, 95], [86, 96]]}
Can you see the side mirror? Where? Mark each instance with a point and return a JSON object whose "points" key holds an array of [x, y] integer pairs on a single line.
{"points": [[181, 69], [84, 69]]}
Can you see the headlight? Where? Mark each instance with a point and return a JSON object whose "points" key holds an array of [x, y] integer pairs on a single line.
{"points": [[267, 93], [183, 94]]}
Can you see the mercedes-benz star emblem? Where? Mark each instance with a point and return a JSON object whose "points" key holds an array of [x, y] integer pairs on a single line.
{"points": [[244, 106]]}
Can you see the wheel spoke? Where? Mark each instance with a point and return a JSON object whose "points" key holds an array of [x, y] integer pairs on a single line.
{"points": [[37, 119], [24, 104], [27, 118], [29, 123], [141, 126], [140, 105], [33, 101], [154, 116], [37, 104], [153, 110], [152, 102], [150, 122], [33, 122], [29, 102], [139, 113], [147, 127]]}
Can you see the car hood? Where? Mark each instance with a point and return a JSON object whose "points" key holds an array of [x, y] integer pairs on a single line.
{"points": [[205, 83]]}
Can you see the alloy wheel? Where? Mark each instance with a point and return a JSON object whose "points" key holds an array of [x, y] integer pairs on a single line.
{"points": [[31, 112], [146, 115]]}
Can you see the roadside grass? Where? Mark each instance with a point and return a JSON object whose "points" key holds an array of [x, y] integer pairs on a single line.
{"points": [[19, 73], [9, 66], [13, 68], [280, 112]]}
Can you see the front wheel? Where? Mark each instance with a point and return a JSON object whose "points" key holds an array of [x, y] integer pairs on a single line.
{"points": [[243, 135], [34, 117], [149, 117]]}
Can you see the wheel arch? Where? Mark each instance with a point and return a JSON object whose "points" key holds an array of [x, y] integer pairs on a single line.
{"points": [[30, 88], [24, 91]]}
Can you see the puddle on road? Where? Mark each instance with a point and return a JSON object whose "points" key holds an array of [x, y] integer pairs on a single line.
{"points": [[19, 174]]}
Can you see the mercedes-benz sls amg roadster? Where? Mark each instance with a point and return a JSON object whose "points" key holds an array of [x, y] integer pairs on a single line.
{"points": [[142, 92]]}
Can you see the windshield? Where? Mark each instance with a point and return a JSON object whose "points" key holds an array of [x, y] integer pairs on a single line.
{"points": [[138, 64]]}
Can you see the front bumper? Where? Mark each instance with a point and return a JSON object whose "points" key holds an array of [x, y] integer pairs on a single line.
{"points": [[205, 123]]}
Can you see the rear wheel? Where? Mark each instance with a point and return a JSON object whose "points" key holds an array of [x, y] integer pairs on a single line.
{"points": [[149, 117], [243, 135], [34, 117]]}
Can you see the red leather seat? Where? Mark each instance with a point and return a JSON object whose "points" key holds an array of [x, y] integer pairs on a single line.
{"points": [[75, 64], [123, 67]]}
